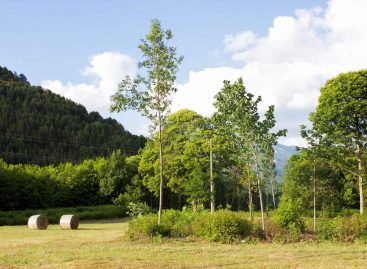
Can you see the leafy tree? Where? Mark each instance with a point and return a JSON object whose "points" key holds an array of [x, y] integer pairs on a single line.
{"points": [[298, 183], [341, 117], [238, 117], [161, 65], [187, 164]]}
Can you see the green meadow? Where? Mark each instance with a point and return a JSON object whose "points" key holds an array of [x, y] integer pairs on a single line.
{"points": [[101, 244]]}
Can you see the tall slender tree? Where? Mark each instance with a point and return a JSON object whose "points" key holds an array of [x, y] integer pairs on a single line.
{"points": [[238, 115], [150, 93]]}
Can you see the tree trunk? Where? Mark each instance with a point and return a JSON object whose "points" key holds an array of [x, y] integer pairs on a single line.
{"points": [[250, 195], [314, 198], [238, 196], [272, 190], [194, 205], [360, 178], [160, 169], [212, 197], [260, 193], [266, 201]]}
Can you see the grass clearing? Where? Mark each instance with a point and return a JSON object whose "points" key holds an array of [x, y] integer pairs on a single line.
{"points": [[99, 244]]}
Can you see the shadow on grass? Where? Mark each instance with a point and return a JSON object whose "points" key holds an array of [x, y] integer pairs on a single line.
{"points": [[105, 221]]}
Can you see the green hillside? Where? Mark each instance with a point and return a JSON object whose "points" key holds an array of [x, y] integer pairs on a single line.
{"points": [[41, 127]]}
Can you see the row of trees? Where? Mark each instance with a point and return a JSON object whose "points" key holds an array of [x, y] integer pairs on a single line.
{"points": [[245, 141], [92, 182]]}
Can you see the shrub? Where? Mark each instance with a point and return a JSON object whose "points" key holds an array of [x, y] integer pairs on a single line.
{"points": [[146, 226], [276, 233], [222, 226], [344, 229], [137, 209], [180, 223], [288, 215], [325, 229]]}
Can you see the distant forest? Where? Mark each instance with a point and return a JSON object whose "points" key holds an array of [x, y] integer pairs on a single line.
{"points": [[40, 127]]}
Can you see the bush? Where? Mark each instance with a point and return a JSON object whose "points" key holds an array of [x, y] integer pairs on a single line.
{"points": [[222, 226], [343, 229], [288, 215], [146, 226], [325, 229], [275, 233], [137, 209]]}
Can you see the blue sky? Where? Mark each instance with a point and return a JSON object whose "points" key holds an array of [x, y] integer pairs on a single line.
{"points": [[81, 49], [54, 39]]}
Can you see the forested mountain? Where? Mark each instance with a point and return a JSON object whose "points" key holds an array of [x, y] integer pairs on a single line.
{"points": [[41, 127]]}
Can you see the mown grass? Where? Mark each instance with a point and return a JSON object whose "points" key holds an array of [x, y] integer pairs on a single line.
{"points": [[100, 244]]}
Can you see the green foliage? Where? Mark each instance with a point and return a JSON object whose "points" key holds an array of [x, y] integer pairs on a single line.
{"points": [[146, 226], [276, 233], [298, 184], [341, 119], [344, 229], [18, 217], [92, 182], [222, 226], [137, 209], [40, 127], [288, 215], [186, 157], [248, 135], [150, 94]]}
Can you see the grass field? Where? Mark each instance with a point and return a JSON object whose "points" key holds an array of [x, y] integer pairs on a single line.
{"points": [[99, 244]]}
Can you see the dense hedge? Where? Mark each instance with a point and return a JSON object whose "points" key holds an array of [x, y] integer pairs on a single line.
{"points": [[20, 217], [92, 182]]}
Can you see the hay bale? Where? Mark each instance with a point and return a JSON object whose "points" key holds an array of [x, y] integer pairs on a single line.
{"points": [[38, 222], [69, 222]]}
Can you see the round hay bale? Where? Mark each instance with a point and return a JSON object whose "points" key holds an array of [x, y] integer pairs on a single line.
{"points": [[38, 222], [69, 222]]}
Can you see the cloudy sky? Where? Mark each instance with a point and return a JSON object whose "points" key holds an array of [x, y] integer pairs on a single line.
{"points": [[284, 50]]}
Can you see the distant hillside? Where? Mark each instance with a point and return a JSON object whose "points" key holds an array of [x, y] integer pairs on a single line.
{"points": [[282, 154], [38, 126]]}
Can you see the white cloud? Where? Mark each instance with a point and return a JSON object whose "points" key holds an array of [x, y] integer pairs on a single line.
{"points": [[238, 41], [288, 65], [107, 70]]}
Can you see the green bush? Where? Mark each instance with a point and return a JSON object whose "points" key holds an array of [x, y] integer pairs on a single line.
{"points": [[288, 215], [180, 222], [222, 226], [146, 226], [343, 229], [137, 209], [326, 229], [276, 233]]}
